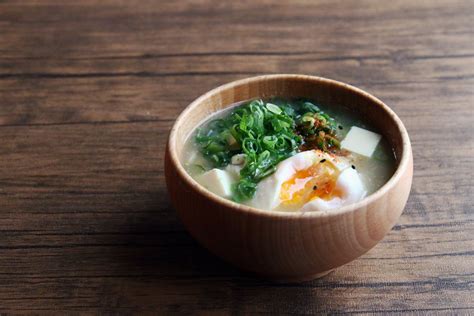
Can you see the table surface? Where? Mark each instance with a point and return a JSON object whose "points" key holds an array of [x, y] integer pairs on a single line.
{"points": [[89, 90]]}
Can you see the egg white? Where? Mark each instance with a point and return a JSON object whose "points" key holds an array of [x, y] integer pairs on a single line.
{"points": [[349, 183]]}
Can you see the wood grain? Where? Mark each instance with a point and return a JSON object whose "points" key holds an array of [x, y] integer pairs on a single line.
{"points": [[89, 90]]}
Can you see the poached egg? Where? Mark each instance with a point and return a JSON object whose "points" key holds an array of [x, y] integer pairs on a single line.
{"points": [[310, 181]]}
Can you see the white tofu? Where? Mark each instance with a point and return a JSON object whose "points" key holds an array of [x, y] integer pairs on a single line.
{"points": [[217, 181], [361, 141]]}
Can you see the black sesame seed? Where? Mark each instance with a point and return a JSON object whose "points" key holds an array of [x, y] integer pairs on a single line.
{"points": [[353, 167], [340, 127], [322, 160], [315, 188]]}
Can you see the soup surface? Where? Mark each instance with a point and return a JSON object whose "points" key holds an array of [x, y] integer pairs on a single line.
{"points": [[288, 155]]}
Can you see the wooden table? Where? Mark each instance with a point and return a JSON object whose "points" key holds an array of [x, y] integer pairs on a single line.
{"points": [[89, 90]]}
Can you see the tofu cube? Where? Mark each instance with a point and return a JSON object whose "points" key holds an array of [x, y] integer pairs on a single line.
{"points": [[217, 181], [361, 141]]}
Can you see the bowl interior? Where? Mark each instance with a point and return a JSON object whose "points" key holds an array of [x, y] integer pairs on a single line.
{"points": [[323, 91]]}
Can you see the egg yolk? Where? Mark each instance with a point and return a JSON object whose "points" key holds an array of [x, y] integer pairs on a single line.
{"points": [[318, 181]]}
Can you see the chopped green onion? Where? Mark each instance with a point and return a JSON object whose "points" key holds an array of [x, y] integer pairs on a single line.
{"points": [[266, 133], [273, 108]]}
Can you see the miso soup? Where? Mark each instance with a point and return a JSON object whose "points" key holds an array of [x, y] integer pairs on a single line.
{"points": [[288, 155]]}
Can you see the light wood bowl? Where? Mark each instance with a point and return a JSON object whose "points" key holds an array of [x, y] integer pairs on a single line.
{"points": [[288, 246]]}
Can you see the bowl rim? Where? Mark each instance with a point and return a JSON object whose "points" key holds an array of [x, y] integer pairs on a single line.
{"points": [[390, 184]]}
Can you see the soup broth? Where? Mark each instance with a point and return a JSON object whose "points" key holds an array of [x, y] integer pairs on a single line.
{"points": [[295, 155]]}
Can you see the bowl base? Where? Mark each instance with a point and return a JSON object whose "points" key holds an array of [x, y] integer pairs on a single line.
{"points": [[302, 278]]}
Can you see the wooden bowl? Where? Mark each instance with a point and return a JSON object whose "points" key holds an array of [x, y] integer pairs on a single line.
{"points": [[288, 246]]}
